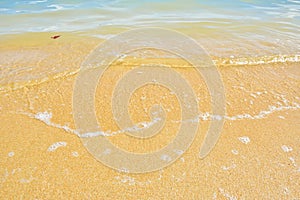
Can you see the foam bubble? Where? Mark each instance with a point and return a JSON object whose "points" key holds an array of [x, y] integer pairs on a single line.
{"points": [[286, 148], [56, 7], [166, 158], [75, 154], [44, 116], [178, 151], [235, 152], [226, 168], [36, 2], [227, 195], [244, 139], [56, 145], [11, 154]]}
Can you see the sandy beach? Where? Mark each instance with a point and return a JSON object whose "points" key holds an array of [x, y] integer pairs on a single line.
{"points": [[257, 155]]}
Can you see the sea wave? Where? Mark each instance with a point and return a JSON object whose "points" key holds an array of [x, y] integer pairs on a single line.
{"points": [[8, 85]]}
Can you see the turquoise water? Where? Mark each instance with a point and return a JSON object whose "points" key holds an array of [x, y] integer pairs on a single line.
{"points": [[234, 32], [250, 26], [42, 15]]}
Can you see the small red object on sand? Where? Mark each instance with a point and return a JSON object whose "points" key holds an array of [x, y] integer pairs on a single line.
{"points": [[55, 36]]}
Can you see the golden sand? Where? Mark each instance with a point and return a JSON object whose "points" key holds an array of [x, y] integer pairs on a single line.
{"points": [[255, 157]]}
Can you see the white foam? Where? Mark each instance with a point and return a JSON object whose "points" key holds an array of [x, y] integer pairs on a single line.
{"points": [[137, 127], [166, 158], [102, 36], [126, 179], [227, 195], [57, 7], [216, 117], [262, 60], [214, 196], [244, 139], [11, 154], [286, 148], [75, 154], [178, 151], [234, 151], [56, 145], [47, 116], [226, 168], [124, 170], [286, 191], [94, 134], [50, 28], [36, 2], [143, 98], [261, 115], [293, 161], [44, 116]]}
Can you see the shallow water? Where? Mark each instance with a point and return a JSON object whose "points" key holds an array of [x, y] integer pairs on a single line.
{"points": [[234, 33], [249, 27]]}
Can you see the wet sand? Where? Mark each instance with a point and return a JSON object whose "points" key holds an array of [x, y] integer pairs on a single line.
{"points": [[257, 155]]}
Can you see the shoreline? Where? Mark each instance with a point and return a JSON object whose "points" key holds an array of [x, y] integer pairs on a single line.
{"points": [[43, 57]]}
